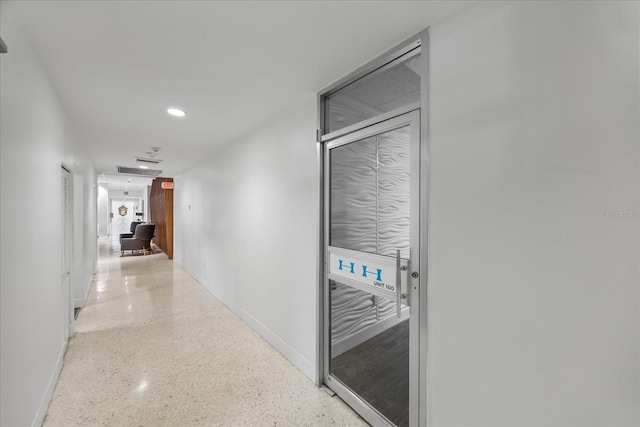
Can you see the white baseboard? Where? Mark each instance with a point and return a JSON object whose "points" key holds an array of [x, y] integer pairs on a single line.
{"points": [[298, 360], [48, 393], [81, 302], [213, 291]]}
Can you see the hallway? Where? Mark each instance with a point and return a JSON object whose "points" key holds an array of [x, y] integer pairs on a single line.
{"points": [[153, 347]]}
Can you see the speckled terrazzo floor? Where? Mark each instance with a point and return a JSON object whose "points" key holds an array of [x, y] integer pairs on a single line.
{"points": [[154, 348]]}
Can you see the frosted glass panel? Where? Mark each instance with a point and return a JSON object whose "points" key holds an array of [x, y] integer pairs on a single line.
{"points": [[370, 194], [370, 212], [354, 210], [374, 94], [393, 193]]}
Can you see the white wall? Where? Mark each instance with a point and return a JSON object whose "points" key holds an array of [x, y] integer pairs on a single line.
{"points": [[533, 289], [139, 199], [245, 227], [35, 140], [119, 194], [78, 239], [84, 233], [104, 205], [90, 243]]}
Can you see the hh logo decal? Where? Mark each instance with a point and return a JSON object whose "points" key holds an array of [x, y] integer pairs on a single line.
{"points": [[365, 272]]}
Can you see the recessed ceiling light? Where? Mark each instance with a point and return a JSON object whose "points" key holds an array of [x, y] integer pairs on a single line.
{"points": [[176, 112], [143, 167]]}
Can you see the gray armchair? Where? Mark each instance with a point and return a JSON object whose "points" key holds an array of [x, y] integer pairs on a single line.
{"points": [[132, 228], [141, 240]]}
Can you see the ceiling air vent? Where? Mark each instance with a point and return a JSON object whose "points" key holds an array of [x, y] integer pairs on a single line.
{"points": [[137, 171], [147, 161]]}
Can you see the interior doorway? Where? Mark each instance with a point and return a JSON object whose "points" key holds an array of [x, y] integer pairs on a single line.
{"points": [[371, 238], [123, 212], [65, 254], [372, 305]]}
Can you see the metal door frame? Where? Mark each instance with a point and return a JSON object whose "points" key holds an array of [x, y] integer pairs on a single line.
{"points": [[419, 415], [402, 119]]}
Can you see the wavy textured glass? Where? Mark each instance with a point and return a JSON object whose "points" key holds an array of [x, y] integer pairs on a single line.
{"points": [[370, 212]]}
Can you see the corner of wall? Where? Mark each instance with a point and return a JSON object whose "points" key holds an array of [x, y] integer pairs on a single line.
{"points": [[41, 412]]}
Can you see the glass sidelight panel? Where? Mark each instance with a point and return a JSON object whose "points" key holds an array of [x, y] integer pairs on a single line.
{"points": [[369, 228]]}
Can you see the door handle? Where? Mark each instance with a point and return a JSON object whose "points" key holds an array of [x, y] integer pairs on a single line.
{"points": [[399, 294]]}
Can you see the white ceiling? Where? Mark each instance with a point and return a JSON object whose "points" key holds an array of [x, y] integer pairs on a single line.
{"points": [[232, 65], [114, 181]]}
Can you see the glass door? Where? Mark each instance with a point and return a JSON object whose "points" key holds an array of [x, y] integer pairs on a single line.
{"points": [[371, 282]]}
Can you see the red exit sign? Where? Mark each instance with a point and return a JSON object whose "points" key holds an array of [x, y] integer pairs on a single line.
{"points": [[166, 185]]}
